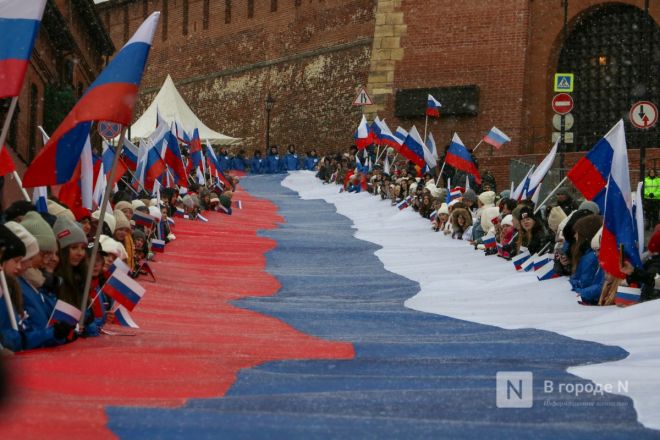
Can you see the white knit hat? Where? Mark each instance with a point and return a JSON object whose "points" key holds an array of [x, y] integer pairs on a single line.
{"points": [[29, 241], [155, 213], [507, 220], [109, 219]]}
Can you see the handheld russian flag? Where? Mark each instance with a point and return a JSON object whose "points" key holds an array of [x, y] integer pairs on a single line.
{"points": [[413, 147], [238, 204], [489, 241], [123, 317], [401, 134], [130, 154], [433, 107], [158, 246], [455, 193], [460, 158], [590, 174], [430, 159], [171, 221], [64, 312], [201, 218], [118, 265], [528, 265], [430, 143], [181, 133], [520, 259], [496, 138], [179, 212], [375, 130], [404, 203], [363, 137], [619, 229], [433, 215], [547, 271], [541, 260], [19, 21], [387, 137], [536, 177], [111, 97], [173, 157], [143, 219], [123, 289], [627, 296], [39, 198], [520, 191]]}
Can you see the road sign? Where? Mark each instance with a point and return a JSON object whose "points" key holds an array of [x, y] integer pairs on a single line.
{"points": [[363, 98], [569, 120], [564, 82], [643, 114], [109, 130], [562, 103]]}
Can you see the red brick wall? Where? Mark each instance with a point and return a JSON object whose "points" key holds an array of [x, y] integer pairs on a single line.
{"points": [[310, 57]]}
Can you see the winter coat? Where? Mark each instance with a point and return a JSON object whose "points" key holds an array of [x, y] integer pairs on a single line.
{"points": [[310, 163], [257, 165], [291, 162], [28, 336], [590, 294], [586, 269], [646, 277], [36, 304]]}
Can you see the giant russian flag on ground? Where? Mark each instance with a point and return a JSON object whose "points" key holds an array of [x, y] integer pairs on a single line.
{"points": [[111, 97], [460, 158], [619, 222], [496, 138], [432, 107], [590, 174], [19, 26], [413, 148]]}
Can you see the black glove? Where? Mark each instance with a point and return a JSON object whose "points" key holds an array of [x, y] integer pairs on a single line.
{"points": [[61, 330]]}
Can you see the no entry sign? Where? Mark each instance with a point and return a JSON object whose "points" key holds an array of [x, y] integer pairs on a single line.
{"points": [[562, 103]]}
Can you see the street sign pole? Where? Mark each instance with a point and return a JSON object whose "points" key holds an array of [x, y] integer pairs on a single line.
{"points": [[562, 145]]}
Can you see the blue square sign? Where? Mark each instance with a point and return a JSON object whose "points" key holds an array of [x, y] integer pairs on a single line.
{"points": [[564, 82]]}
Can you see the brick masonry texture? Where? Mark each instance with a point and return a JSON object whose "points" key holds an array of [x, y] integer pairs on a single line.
{"points": [[311, 55]]}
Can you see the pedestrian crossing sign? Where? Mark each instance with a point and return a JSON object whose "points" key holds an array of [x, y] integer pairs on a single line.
{"points": [[564, 82]]}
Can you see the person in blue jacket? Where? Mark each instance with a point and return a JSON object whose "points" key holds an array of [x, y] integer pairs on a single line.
{"points": [[587, 276], [311, 160], [224, 159], [257, 163], [239, 162], [291, 161], [274, 164], [29, 335]]}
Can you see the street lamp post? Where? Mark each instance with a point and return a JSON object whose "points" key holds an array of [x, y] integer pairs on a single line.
{"points": [[270, 101]]}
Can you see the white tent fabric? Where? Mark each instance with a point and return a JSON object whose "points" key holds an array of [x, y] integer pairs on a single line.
{"points": [[171, 106]]}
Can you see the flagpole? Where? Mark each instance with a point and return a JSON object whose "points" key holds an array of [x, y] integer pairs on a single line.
{"points": [[8, 303], [20, 185], [475, 148], [8, 118], [441, 170], [426, 124], [551, 194], [99, 227]]}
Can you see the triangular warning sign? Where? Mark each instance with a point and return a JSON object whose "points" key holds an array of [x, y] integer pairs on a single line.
{"points": [[362, 98], [563, 83]]}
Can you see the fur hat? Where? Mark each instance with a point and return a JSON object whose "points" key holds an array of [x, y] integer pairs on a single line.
{"points": [[41, 231], [487, 198], [124, 205], [68, 232], [507, 220], [461, 212], [107, 219], [590, 206], [58, 210], [121, 221], [154, 211], [135, 204], [13, 245], [524, 212], [557, 215], [30, 243]]}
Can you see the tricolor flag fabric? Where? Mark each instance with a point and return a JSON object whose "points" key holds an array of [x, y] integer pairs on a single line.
{"points": [[40, 199], [536, 177], [7, 165], [111, 97], [158, 245], [179, 212], [363, 137], [172, 156], [521, 190], [430, 158], [547, 270], [123, 289], [19, 26], [413, 147], [433, 107], [143, 219], [618, 223], [430, 143], [627, 296], [489, 241], [455, 193], [64, 312], [540, 261], [496, 138], [520, 259], [201, 218], [433, 215], [401, 134], [238, 204], [375, 130], [528, 265], [130, 154], [404, 203], [123, 317], [460, 158], [120, 266], [387, 137]]}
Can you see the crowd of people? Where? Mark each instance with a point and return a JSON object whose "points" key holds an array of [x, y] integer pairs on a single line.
{"points": [[566, 232], [271, 163], [46, 253]]}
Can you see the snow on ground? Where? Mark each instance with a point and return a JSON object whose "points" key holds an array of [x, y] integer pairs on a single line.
{"points": [[459, 282]]}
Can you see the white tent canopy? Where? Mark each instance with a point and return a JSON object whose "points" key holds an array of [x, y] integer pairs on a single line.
{"points": [[171, 106]]}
